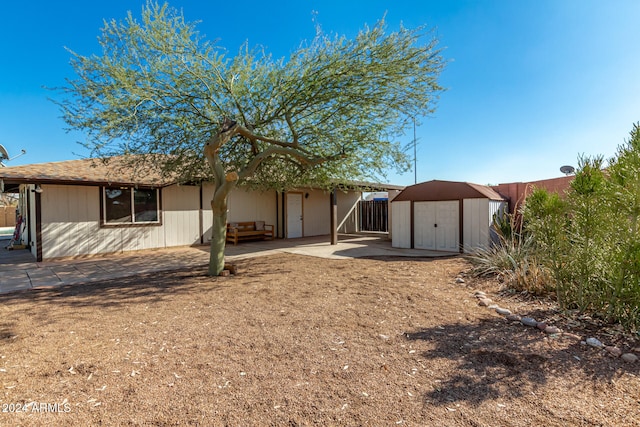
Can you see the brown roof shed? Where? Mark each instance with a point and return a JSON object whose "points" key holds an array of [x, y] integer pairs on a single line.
{"points": [[446, 190]]}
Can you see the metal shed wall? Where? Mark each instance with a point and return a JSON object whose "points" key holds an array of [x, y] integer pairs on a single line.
{"points": [[401, 224], [478, 220]]}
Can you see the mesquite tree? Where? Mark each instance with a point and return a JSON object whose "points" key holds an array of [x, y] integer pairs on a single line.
{"points": [[159, 91]]}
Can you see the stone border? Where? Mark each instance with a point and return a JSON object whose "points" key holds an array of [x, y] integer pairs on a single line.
{"points": [[613, 351]]}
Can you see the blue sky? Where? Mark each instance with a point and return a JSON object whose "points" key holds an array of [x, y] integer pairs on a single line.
{"points": [[531, 84]]}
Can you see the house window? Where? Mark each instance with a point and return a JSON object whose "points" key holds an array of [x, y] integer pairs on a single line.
{"points": [[126, 205]]}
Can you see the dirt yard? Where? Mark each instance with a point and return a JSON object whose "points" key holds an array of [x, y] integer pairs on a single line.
{"points": [[294, 340]]}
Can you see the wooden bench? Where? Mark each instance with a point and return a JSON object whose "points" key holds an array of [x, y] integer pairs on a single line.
{"points": [[237, 231]]}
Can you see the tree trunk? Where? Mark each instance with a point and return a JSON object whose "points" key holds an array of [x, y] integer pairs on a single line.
{"points": [[224, 184], [218, 238]]}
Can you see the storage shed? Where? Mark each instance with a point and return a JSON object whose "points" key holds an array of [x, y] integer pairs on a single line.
{"points": [[445, 216]]}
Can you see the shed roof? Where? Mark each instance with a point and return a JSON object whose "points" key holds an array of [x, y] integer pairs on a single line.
{"points": [[446, 190]]}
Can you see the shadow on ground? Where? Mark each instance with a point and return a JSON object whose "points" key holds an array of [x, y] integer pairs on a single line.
{"points": [[141, 288], [494, 358]]}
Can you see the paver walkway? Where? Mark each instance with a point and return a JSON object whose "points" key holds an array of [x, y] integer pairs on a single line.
{"points": [[19, 270]]}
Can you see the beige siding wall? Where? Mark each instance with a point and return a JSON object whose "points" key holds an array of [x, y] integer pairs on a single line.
{"points": [[315, 213], [243, 206], [181, 215], [71, 223], [71, 218]]}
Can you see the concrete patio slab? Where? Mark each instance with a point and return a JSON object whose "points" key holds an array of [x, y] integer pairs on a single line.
{"points": [[18, 271]]}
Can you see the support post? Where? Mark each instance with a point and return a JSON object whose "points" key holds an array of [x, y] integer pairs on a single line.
{"points": [[334, 217]]}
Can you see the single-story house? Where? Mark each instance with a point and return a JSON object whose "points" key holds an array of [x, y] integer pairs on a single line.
{"points": [[445, 216], [85, 207]]}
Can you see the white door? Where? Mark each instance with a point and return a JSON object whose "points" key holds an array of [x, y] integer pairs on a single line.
{"points": [[447, 237], [435, 225], [424, 232], [294, 215]]}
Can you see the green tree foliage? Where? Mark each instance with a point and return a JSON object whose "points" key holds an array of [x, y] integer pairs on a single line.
{"points": [[332, 110]]}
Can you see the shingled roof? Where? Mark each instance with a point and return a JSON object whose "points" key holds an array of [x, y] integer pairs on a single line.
{"points": [[117, 171]]}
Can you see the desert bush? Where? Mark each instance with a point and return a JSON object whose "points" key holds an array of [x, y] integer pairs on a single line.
{"points": [[591, 242], [512, 260], [585, 247]]}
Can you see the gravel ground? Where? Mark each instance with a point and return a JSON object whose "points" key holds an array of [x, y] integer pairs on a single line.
{"points": [[295, 340]]}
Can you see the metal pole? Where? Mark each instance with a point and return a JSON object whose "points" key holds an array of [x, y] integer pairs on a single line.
{"points": [[415, 161]]}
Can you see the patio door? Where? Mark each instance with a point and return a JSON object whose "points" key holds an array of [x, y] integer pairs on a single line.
{"points": [[294, 215]]}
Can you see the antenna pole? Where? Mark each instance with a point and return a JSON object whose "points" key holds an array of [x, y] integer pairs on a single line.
{"points": [[415, 161]]}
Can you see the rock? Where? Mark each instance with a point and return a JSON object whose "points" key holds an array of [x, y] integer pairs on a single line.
{"points": [[503, 311], [541, 325], [570, 335], [513, 317], [629, 357], [614, 351], [551, 330], [484, 302], [528, 321], [493, 306], [459, 280], [594, 342]]}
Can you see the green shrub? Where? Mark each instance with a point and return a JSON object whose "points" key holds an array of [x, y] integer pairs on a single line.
{"points": [[585, 247], [512, 260]]}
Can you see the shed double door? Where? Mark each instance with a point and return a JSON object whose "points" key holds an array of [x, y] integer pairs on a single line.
{"points": [[436, 225]]}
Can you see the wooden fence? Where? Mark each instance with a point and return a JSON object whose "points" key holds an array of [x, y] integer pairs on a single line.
{"points": [[374, 215]]}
